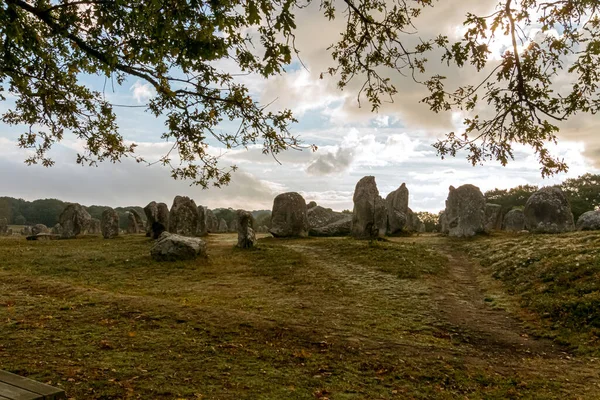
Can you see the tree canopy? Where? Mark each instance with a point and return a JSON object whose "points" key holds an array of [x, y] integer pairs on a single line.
{"points": [[176, 46]]}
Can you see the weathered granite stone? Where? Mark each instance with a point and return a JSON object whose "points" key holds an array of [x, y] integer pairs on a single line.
{"points": [[202, 229], [245, 230], [156, 212], [173, 247], [589, 221], [443, 221], [74, 220], [183, 218], [43, 236], [39, 228], [212, 223], [288, 218], [369, 216], [514, 221], [223, 228], [320, 217], [465, 211], [95, 227], [26, 231], [233, 226], [341, 227], [396, 204], [311, 205], [109, 224], [56, 229], [493, 217], [548, 211]]}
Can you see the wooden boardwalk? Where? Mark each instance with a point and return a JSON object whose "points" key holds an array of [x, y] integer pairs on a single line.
{"points": [[15, 387]]}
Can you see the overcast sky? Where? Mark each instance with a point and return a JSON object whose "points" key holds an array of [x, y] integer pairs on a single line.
{"points": [[393, 145]]}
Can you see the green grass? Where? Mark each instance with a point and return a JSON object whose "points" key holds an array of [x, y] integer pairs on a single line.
{"points": [[291, 319], [557, 277]]}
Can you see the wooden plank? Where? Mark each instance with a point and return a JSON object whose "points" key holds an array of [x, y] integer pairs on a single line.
{"points": [[15, 393], [47, 392]]}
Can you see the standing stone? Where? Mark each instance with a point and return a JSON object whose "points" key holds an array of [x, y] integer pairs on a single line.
{"points": [[443, 221], [245, 230], [589, 221], [183, 218], [465, 211], [369, 216], [493, 217], [412, 221], [3, 226], [263, 229], [172, 247], [288, 218], [95, 228], [223, 226], [212, 223], [514, 221], [396, 204], [26, 231], [156, 213], [56, 229], [135, 224], [548, 211], [39, 228], [202, 229], [74, 220], [109, 224], [233, 225]]}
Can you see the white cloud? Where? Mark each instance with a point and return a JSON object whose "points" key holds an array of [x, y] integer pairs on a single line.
{"points": [[142, 92]]}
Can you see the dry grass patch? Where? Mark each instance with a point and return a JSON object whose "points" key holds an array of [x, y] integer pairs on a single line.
{"points": [[291, 319]]}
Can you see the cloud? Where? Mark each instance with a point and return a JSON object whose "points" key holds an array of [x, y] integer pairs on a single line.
{"points": [[365, 150], [142, 92]]}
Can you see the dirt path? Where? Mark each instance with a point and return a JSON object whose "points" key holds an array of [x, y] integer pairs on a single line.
{"points": [[461, 303]]}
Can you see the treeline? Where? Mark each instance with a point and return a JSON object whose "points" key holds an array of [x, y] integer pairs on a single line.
{"points": [[583, 193], [47, 211]]}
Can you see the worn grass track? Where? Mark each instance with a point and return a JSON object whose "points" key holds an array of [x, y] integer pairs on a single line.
{"points": [[292, 319]]}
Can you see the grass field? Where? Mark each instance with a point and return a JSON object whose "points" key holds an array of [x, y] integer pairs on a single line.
{"points": [[411, 318]]}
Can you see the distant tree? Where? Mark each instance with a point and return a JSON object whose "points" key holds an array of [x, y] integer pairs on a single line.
{"points": [[44, 211], [19, 220], [430, 220], [583, 193], [510, 198], [346, 211], [228, 214], [262, 218]]}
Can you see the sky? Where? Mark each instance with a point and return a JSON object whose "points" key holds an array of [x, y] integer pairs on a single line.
{"points": [[394, 145]]}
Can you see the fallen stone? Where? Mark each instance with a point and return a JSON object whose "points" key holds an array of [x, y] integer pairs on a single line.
{"points": [[173, 247]]}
